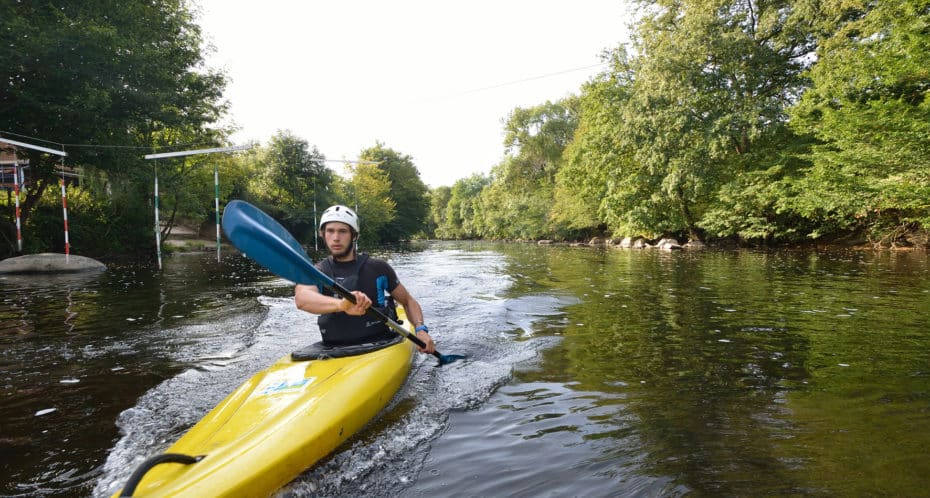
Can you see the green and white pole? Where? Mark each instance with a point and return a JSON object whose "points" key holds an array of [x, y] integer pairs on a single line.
{"points": [[216, 199], [183, 153], [157, 225], [64, 210]]}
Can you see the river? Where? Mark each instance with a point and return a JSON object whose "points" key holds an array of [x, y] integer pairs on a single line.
{"points": [[590, 372]]}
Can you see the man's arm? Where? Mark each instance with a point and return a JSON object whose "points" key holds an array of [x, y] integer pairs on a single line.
{"points": [[309, 298], [414, 314], [411, 306]]}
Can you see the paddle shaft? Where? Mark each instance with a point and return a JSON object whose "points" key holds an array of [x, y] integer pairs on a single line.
{"points": [[396, 327]]}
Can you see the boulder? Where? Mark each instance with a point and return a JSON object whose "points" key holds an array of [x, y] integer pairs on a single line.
{"points": [[640, 243], [48, 262], [668, 244], [694, 245]]}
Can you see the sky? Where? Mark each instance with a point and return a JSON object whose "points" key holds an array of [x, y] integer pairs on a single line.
{"points": [[433, 80]]}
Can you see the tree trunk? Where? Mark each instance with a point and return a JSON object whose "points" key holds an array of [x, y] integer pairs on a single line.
{"points": [[33, 197], [170, 223], [690, 225]]}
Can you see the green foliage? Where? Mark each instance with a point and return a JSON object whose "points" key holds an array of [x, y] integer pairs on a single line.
{"points": [[690, 136], [595, 159], [105, 72], [438, 200], [514, 210], [704, 131], [369, 191], [721, 121], [517, 202], [461, 213], [712, 81], [758, 204], [869, 108], [408, 192], [290, 179], [535, 138], [97, 226], [128, 76]]}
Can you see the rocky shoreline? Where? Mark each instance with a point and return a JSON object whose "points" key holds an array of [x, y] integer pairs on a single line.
{"points": [[910, 241]]}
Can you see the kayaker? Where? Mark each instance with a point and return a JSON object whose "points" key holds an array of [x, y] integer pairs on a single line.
{"points": [[341, 322]]}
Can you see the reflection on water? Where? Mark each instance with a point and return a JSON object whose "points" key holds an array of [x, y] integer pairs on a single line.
{"points": [[75, 350], [590, 373], [738, 373]]}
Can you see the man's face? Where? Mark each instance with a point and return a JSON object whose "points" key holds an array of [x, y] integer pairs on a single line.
{"points": [[338, 238]]}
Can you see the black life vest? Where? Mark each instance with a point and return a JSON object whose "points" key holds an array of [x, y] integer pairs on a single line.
{"points": [[342, 329]]}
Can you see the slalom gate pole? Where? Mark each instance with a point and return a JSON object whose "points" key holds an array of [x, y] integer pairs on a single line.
{"points": [[64, 209], [216, 198], [157, 226], [19, 230]]}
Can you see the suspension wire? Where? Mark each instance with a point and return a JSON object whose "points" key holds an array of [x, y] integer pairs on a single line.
{"points": [[102, 146]]}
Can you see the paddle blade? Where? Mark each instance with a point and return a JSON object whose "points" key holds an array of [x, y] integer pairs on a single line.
{"points": [[445, 359], [269, 244]]}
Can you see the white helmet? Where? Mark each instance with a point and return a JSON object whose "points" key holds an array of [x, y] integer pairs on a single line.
{"points": [[341, 214]]}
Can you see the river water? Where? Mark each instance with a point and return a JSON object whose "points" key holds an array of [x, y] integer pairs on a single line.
{"points": [[591, 372]]}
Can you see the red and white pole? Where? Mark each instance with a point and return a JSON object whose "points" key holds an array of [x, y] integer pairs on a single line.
{"points": [[19, 230], [64, 208]]}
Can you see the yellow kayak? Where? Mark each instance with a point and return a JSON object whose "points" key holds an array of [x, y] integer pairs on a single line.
{"points": [[278, 423]]}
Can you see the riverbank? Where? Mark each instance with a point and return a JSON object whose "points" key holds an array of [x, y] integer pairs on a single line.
{"points": [[186, 239], [910, 240]]}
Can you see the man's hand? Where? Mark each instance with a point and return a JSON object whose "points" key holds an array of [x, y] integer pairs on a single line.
{"points": [[430, 345], [362, 303]]}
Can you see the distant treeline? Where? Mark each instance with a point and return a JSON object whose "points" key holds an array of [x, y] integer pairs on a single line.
{"points": [[754, 121], [759, 122]]}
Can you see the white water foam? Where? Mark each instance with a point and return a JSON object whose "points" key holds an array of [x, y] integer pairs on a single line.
{"points": [[465, 301], [464, 297], [226, 358]]}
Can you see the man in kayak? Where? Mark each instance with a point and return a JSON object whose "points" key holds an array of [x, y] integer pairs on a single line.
{"points": [[341, 322]]}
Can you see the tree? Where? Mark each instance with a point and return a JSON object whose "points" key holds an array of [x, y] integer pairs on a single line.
{"points": [[594, 161], [408, 192], [463, 211], [535, 137], [712, 79], [293, 176], [509, 213], [517, 203], [103, 72], [869, 109], [186, 183], [438, 200], [369, 191]]}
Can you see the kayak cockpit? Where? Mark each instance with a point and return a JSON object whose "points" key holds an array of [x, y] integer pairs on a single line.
{"points": [[319, 351]]}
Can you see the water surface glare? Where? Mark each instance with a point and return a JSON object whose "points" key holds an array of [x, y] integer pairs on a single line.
{"points": [[591, 372]]}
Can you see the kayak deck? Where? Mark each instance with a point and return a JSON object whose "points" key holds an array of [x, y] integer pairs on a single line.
{"points": [[279, 423]]}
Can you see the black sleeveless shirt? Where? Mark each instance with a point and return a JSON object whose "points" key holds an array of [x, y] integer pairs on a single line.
{"points": [[372, 276]]}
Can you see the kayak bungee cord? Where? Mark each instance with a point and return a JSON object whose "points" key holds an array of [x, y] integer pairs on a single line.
{"points": [[149, 464]]}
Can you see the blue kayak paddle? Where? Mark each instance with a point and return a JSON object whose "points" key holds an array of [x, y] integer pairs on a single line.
{"points": [[269, 244]]}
